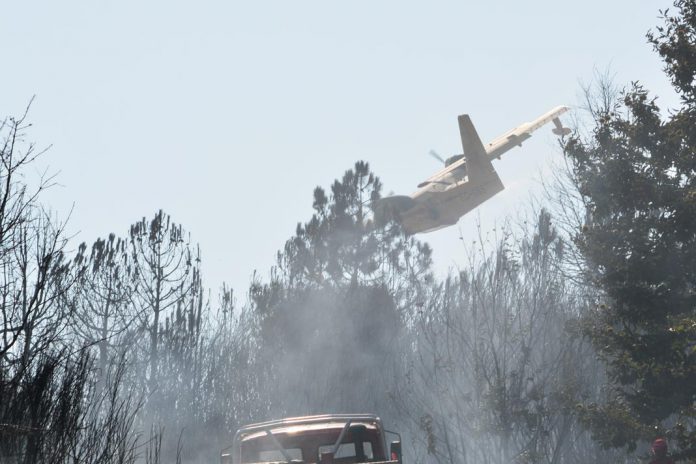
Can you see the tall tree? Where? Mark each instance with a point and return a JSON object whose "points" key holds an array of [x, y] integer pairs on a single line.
{"points": [[49, 410], [166, 269], [100, 297], [636, 173], [342, 246], [32, 266], [337, 303]]}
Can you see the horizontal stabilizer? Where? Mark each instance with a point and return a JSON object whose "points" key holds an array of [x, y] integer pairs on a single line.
{"points": [[559, 129]]}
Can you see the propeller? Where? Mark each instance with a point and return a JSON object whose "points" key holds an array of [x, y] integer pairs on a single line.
{"points": [[435, 155]]}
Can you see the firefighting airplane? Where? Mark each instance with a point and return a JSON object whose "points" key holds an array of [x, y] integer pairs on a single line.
{"points": [[466, 181]]}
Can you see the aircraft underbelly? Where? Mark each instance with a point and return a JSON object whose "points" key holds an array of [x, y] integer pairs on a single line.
{"points": [[434, 210]]}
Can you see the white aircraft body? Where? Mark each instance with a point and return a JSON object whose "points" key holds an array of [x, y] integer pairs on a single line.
{"points": [[466, 181]]}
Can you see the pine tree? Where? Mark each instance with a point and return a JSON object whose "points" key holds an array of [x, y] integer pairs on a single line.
{"points": [[337, 304]]}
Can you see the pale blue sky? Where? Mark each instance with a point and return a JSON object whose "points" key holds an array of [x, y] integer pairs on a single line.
{"points": [[228, 114]]}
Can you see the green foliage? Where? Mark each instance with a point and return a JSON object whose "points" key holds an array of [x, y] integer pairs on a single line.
{"points": [[637, 176]]}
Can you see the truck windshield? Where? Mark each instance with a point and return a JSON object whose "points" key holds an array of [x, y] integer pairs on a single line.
{"points": [[361, 442], [277, 456]]}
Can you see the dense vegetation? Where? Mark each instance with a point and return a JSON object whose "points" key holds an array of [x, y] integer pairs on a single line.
{"points": [[636, 174], [553, 344]]}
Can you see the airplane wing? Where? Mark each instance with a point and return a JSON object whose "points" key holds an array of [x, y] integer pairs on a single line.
{"points": [[521, 133], [547, 117], [477, 157], [440, 176]]}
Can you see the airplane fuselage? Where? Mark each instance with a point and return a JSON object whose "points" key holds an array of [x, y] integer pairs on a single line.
{"points": [[440, 205], [467, 182]]}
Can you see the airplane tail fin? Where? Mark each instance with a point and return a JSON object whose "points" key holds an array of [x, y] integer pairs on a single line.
{"points": [[477, 161], [471, 142]]}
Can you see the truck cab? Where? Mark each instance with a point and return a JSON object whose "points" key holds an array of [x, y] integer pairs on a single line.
{"points": [[324, 439]]}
